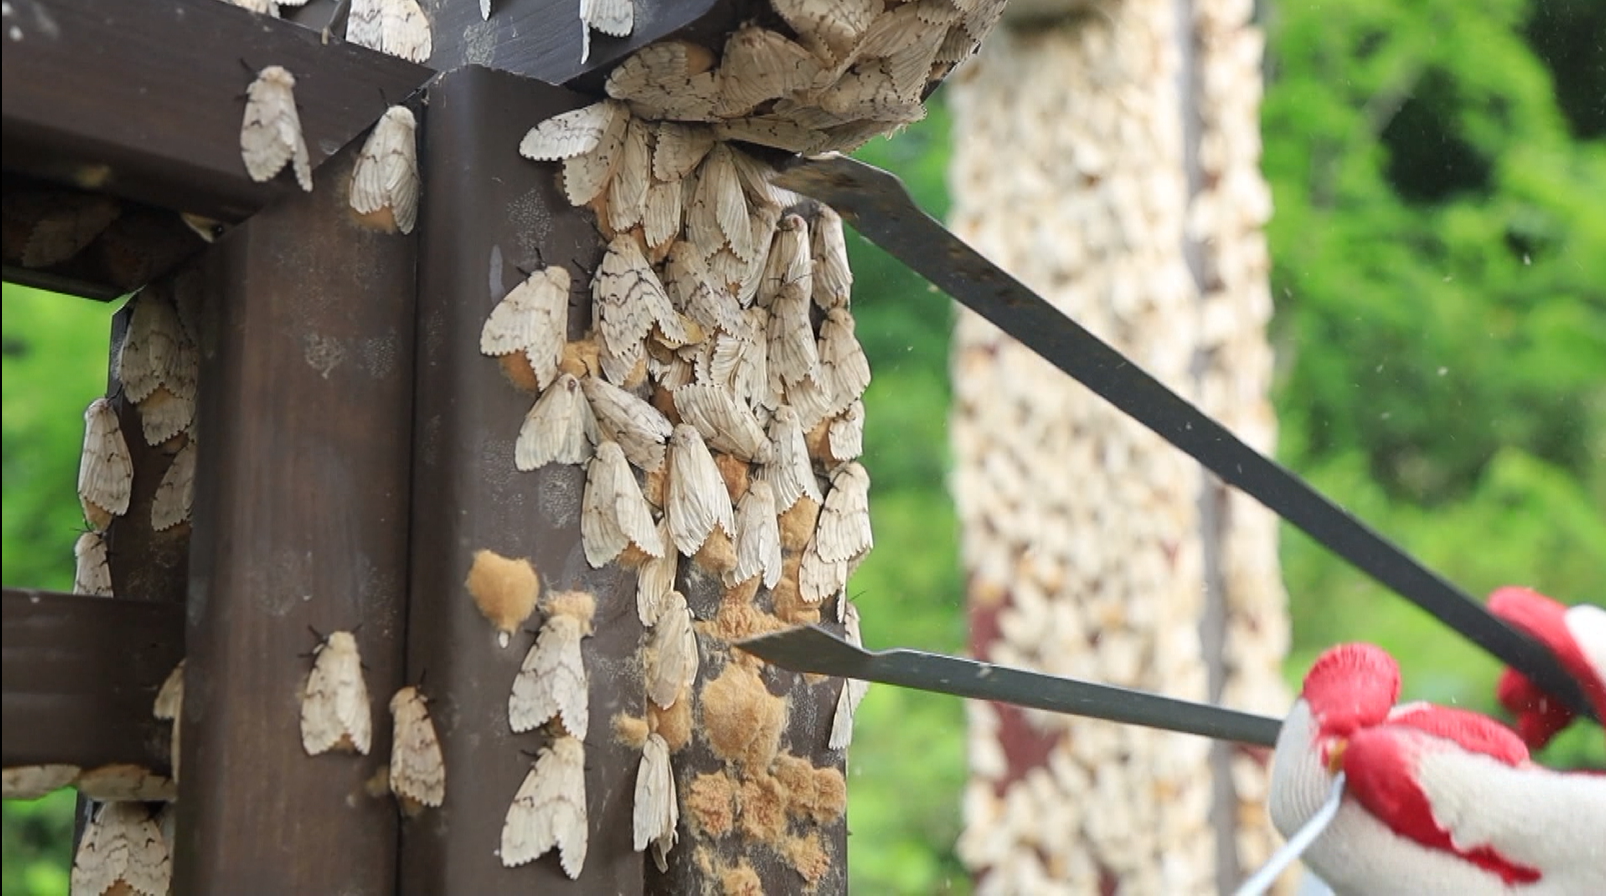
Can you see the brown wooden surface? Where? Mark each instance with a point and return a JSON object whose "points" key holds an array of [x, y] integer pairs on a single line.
{"points": [[143, 98], [300, 521], [541, 38], [487, 214], [79, 676]]}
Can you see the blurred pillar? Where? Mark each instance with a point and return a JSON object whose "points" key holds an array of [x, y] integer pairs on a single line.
{"points": [[1107, 153]]}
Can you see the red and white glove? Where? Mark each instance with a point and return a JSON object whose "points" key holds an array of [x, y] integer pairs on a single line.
{"points": [[1576, 635], [1437, 800]]}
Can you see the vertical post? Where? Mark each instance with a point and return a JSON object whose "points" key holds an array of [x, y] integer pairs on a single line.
{"points": [[300, 523], [487, 214]]}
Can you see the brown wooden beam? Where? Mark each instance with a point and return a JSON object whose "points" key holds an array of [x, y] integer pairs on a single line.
{"points": [[143, 98], [488, 213], [79, 676], [299, 523]]}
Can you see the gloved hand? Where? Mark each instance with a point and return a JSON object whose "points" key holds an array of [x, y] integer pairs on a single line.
{"points": [[1576, 635], [1437, 800]]}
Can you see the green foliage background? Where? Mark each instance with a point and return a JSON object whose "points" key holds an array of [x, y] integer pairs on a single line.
{"points": [[1439, 259]]}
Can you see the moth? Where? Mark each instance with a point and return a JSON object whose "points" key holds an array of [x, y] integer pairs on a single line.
{"points": [[169, 706], [790, 473], [844, 370], [657, 812], [63, 224], [679, 149], [122, 843], [655, 579], [768, 130], [532, 318], [853, 689], [165, 414], [833, 279], [661, 216], [672, 655], [385, 179], [725, 423], [759, 65], [698, 500], [549, 810], [627, 190], [176, 493], [615, 514], [125, 782], [718, 214], [640, 429], [758, 537], [30, 782], [614, 18], [396, 27], [793, 354], [691, 290], [417, 768], [552, 682], [559, 428], [844, 527], [831, 29], [817, 577], [270, 136], [574, 133], [846, 434], [334, 706], [92, 574], [667, 80], [106, 470], [150, 346], [629, 300], [789, 263], [740, 361]]}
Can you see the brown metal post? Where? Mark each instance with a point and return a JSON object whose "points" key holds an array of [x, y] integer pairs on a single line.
{"points": [[300, 523], [487, 214]]}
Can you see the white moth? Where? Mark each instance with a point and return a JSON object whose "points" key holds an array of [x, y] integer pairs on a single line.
{"points": [[150, 347], [124, 782], [725, 423], [793, 354], [105, 471], [176, 492], [30, 782], [533, 318], [270, 136], [692, 291], [587, 174], [396, 27], [549, 809], [169, 706], [789, 263], [559, 429], [573, 133], [386, 174], [853, 689], [661, 216], [830, 28], [697, 500], [657, 812], [656, 579], [640, 429], [615, 514], [658, 82], [553, 682], [768, 130], [485, 10], [672, 655], [417, 768], [627, 191], [92, 575], [789, 472], [334, 707], [844, 370], [833, 278], [614, 18], [846, 435], [629, 300], [680, 149], [844, 528], [719, 214], [165, 414], [819, 578], [63, 225], [122, 843], [810, 398], [758, 537], [759, 65]]}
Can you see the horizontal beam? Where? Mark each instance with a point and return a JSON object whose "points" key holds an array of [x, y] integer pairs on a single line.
{"points": [[143, 99], [79, 677]]}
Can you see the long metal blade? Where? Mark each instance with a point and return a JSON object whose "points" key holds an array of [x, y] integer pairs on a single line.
{"points": [[877, 205], [813, 649]]}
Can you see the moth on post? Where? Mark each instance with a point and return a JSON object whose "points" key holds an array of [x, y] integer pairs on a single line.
{"points": [[106, 470], [334, 706], [553, 682], [656, 812], [176, 492], [417, 768], [92, 575], [533, 318], [853, 689], [396, 27], [385, 183], [559, 428], [270, 136], [672, 657], [549, 810], [614, 516], [122, 844]]}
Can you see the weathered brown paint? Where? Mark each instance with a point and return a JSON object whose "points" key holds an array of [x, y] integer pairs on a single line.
{"points": [[300, 524]]}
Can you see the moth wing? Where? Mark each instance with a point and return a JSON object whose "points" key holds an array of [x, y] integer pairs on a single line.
{"points": [[845, 371], [627, 190], [150, 345], [586, 174], [417, 767], [758, 537], [270, 106], [656, 579], [176, 492], [105, 470], [844, 526], [601, 532], [793, 353], [661, 215], [679, 150], [405, 31], [92, 574], [698, 500], [833, 279], [673, 658], [789, 472], [614, 18], [170, 697], [724, 422], [570, 134], [558, 429], [655, 811]]}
